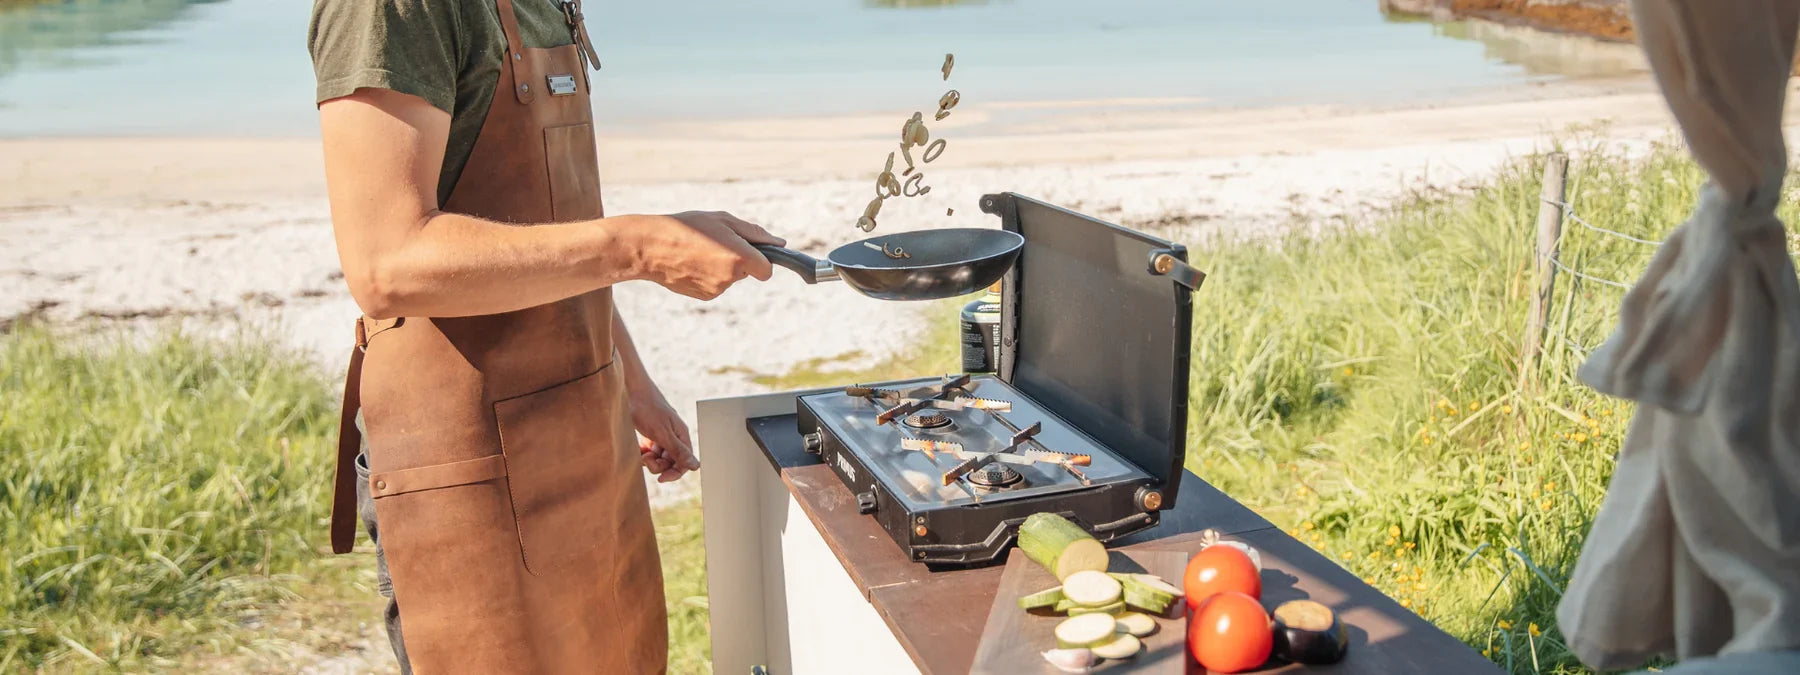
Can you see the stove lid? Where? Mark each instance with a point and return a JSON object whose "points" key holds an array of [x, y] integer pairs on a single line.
{"points": [[1092, 331]]}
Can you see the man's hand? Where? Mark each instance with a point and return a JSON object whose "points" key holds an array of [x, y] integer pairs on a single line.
{"points": [[663, 443], [699, 254]]}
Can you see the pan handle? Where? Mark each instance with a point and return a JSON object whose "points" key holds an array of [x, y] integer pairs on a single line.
{"points": [[812, 270]]}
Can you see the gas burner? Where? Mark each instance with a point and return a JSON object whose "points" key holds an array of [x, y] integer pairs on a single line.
{"points": [[995, 477], [927, 420]]}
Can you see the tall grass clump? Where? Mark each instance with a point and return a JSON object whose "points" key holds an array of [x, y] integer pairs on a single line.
{"points": [[151, 495], [1362, 389]]}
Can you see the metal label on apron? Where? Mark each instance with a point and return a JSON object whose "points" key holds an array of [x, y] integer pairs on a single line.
{"points": [[562, 85]]}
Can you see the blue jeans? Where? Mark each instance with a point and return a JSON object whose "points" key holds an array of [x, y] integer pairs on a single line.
{"points": [[365, 507]]}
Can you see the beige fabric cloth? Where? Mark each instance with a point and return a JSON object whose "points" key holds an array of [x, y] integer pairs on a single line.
{"points": [[1696, 549]]}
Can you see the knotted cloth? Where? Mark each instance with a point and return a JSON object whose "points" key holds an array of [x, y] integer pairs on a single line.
{"points": [[1696, 548]]}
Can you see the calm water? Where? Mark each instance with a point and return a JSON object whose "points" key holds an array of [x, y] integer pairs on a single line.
{"points": [[240, 67]]}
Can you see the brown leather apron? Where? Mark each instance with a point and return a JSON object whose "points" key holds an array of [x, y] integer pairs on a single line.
{"points": [[505, 470]]}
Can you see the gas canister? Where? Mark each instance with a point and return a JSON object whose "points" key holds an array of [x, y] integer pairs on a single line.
{"points": [[981, 332]]}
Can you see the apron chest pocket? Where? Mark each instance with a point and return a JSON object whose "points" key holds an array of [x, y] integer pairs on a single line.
{"points": [[557, 445], [574, 167]]}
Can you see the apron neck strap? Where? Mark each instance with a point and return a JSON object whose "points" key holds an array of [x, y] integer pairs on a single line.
{"points": [[515, 53]]}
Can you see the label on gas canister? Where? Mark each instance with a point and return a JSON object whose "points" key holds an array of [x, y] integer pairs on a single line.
{"points": [[981, 333]]}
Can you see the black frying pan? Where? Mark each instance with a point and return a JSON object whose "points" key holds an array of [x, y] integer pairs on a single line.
{"points": [[937, 263]]}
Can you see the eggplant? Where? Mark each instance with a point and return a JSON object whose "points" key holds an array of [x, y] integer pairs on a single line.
{"points": [[1310, 633]]}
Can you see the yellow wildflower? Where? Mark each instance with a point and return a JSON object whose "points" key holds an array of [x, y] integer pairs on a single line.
{"points": [[1581, 438], [1390, 541], [1393, 530], [1488, 652], [1550, 485], [1420, 587], [1449, 412], [1606, 413], [1374, 555], [1525, 445], [1504, 624], [1593, 423], [1418, 571], [1474, 406], [1443, 403], [1425, 441], [1404, 602], [1315, 537], [1506, 409], [1409, 545], [1396, 565], [1295, 533], [1348, 372], [1306, 525], [1399, 553], [1369, 580], [1545, 505], [1533, 629], [1345, 556]]}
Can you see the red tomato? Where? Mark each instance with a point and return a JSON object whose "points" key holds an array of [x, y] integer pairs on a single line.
{"points": [[1230, 633], [1218, 569]]}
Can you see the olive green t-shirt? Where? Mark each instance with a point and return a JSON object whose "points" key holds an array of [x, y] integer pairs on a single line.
{"points": [[448, 52]]}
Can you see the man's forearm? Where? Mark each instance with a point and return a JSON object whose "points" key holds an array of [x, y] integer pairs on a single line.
{"points": [[456, 265]]}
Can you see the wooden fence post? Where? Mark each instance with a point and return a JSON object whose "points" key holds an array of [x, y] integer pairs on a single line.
{"points": [[1549, 241]]}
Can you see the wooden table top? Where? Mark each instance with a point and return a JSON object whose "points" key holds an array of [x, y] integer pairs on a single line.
{"points": [[938, 615]]}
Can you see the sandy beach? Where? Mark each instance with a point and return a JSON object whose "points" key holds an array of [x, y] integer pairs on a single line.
{"points": [[220, 236]]}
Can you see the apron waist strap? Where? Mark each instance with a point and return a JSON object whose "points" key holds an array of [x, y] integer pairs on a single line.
{"points": [[343, 493]]}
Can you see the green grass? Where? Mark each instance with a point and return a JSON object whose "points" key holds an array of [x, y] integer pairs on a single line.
{"points": [[149, 497], [163, 506], [1359, 388]]}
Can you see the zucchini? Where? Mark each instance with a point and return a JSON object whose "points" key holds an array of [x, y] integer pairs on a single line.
{"points": [[1149, 602], [1103, 609], [1124, 646], [1085, 630], [1135, 624], [1044, 598], [1091, 588], [1060, 546]]}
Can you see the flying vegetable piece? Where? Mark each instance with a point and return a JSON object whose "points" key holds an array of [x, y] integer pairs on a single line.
{"points": [[933, 151], [920, 134], [949, 100], [949, 212], [914, 185], [887, 185], [896, 252], [941, 114], [867, 222], [949, 62]]}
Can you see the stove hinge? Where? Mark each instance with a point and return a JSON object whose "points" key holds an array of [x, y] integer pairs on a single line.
{"points": [[1168, 262]]}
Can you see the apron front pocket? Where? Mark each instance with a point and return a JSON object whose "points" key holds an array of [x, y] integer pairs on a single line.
{"points": [[574, 166], [557, 444]]}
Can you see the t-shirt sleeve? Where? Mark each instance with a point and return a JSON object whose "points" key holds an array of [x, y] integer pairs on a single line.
{"points": [[408, 46]]}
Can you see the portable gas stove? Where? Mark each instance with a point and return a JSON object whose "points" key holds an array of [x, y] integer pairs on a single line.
{"points": [[1087, 416]]}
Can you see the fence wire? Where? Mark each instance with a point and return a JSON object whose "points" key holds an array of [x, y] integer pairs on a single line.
{"points": [[1569, 212], [1570, 271]]}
